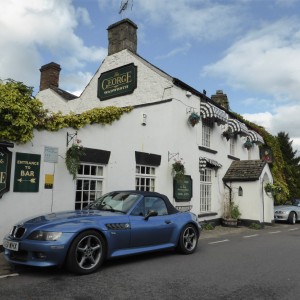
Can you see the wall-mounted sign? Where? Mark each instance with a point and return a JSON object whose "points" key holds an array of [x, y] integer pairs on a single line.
{"points": [[51, 154], [117, 82], [5, 167], [27, 172], [266, 154], [183, 189]]}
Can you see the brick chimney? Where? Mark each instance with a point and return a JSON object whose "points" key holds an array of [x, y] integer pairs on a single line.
{"points": [[49, 76], [122, 35], [221, 99]]}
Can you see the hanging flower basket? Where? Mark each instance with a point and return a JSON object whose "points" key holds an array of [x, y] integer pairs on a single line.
{"points": [[194, 119], [228, 134], [178, 169], [73, 155], [248, 144], [272, 189]]}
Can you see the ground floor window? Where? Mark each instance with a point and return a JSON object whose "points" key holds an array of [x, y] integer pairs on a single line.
{"points": [[205, 190], [145, 178], [89, 184]]}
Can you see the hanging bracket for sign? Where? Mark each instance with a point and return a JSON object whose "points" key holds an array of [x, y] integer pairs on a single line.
{"points": [[70, 137], [172, 155]]}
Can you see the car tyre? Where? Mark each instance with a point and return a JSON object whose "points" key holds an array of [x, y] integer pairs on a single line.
{"points": [[86, 253], [292, 218], [188, 239]]}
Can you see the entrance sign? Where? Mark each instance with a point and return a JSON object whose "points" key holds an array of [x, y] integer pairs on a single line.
{"points": [[183, 189], [5, 167], [27, 172], [51, 154], [117, 82]]}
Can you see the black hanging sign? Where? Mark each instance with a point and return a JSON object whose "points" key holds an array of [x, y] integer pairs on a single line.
{"points": [[183, 188]]}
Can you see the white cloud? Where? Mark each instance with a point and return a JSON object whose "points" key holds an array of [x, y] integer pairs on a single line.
{"points": [[28, 28], [197, 19], [184, 49], [282, 119], [266, 60]]}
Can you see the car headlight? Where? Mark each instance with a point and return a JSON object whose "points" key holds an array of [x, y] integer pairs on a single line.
{"points": [[45, 235]]}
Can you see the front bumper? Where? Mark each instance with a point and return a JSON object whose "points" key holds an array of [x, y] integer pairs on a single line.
{"points": [[281, 217], [38, 253]]}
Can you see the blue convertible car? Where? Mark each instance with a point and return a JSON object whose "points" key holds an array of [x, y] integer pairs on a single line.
{"points": [[117, 224]]}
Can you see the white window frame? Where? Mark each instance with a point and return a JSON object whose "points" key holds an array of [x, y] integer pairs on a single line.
{"points": [[232, 143], [145, 178], [205, 189], [89, 186], [206, 135]]}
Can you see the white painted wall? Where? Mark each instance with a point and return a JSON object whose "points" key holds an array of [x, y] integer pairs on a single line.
{"points": [[167, 130]]}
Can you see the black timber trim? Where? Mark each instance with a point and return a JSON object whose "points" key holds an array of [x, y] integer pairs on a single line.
{"points": [[207, 150], [232, 157], [95, 156], [153, 103], [142, 158]]}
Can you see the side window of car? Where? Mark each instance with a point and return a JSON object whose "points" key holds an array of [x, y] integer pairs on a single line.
{"points": [[139, 209], [156, 204]]}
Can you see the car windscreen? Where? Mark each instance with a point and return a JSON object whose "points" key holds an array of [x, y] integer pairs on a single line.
{"points": [[116, 202]]}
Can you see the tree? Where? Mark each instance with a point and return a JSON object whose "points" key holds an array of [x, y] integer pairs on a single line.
{"points": [[291, 164]]}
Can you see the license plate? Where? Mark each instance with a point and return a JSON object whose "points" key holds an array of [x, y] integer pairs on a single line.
{"points": [[10, 245]]}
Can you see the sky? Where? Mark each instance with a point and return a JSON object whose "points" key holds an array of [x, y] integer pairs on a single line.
{"points": [[249, 49]]}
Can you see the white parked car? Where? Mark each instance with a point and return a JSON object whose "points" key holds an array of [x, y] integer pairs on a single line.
{"points": [[289, 212]]}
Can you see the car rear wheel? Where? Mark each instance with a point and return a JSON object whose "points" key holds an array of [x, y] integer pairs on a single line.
{"points": [[292, 218], [188, 240], [86, 253]]}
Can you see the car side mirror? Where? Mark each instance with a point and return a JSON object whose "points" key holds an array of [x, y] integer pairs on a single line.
{"points": [[151, 213]]}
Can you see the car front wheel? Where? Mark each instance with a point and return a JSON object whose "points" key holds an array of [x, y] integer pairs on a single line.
{"points": [[188, 240], [86, 253], [292, 218]]}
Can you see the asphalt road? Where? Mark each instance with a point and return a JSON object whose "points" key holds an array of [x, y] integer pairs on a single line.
{"points": [[244, 264]]}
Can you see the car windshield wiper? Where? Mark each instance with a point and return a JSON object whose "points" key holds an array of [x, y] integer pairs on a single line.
{"points": [[112, 210]]}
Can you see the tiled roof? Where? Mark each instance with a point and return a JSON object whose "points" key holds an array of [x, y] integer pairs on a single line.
{"points": [[66, 95], [244, 170]]}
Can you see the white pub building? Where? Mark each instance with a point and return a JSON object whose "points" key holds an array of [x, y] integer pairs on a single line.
{"points": [[170, 121]]}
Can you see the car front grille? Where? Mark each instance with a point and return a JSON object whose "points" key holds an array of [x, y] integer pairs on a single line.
{"points": [[18, 232]]}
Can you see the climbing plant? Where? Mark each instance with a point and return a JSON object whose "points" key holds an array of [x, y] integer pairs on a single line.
{"points": [[21, 113]]}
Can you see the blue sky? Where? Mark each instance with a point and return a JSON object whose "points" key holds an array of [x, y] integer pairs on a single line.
{"points": [[250, 49]]}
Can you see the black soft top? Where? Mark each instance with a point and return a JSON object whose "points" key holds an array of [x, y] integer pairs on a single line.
{"points": [[171, 209]]}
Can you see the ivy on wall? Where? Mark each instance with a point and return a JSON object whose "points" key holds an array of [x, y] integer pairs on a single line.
{"points": [[278, 164], [21, 113]]}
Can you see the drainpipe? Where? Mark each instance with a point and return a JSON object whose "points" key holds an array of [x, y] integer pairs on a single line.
{"points": [[263, 203], [230, 191]]}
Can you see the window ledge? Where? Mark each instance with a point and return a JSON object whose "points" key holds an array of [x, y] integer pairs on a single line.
{"points": [[208, 214], [207, 150]]}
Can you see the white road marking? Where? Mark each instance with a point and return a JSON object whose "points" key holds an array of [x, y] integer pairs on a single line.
{"points": [[9, 275], [250, 236], [273, 232], [293, 229], [217, 242]]}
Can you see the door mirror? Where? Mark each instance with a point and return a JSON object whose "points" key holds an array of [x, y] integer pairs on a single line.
{"points": [[151, 213]]}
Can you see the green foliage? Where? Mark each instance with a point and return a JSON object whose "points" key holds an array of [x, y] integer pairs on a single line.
{"points": [[291, 168], [255, 226], [234, 211], [178, 170], [208, 226], [277, 167], [21, 114], [73, 155]]}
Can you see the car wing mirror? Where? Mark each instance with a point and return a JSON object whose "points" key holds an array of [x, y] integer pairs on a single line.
{"points": [[151, 213]]}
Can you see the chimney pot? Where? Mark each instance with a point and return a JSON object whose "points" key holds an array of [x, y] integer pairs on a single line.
{"points": [[49, 76], [221, 99], [122, 35]]}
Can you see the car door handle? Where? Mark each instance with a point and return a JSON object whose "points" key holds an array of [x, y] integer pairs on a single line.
{"points": [[168, 222]]}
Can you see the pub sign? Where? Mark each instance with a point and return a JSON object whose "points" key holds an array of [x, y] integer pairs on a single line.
{"points": [[183, 188], [117, 82], [5, 167], [27, 172]]}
